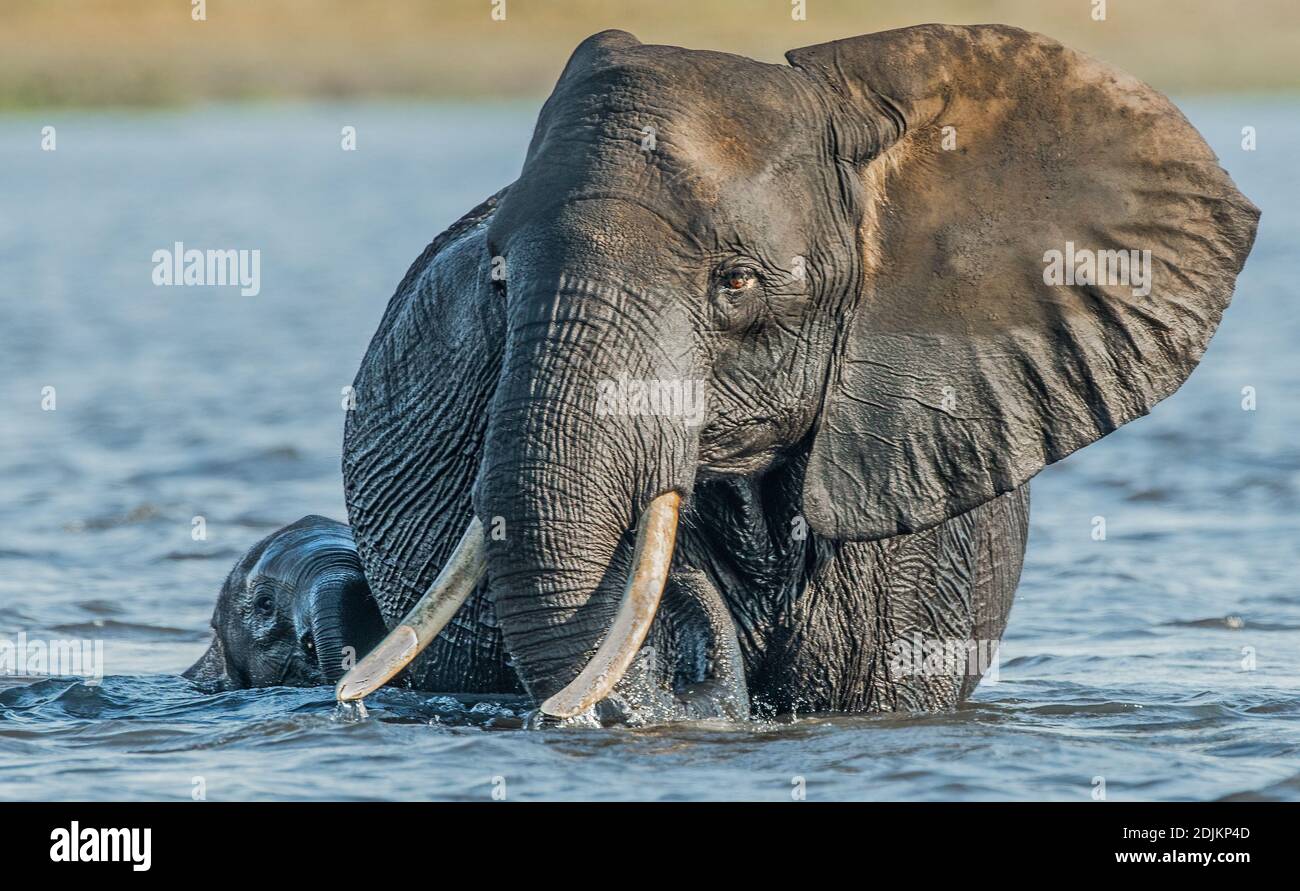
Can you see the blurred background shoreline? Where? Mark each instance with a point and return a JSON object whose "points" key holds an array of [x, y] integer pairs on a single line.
{"points": [[152, 53]]}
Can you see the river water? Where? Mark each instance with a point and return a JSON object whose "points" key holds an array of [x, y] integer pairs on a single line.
{"points": [[1160, 663]]}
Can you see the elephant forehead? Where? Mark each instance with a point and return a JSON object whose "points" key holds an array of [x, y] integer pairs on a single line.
{"points": [[693, 194], [699, 118], [297, 553]]}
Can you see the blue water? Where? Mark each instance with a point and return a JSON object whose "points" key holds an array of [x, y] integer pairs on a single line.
{"points": [[1124, 659]]}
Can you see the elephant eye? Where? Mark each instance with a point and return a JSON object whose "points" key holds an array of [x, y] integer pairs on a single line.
{"points": [[739, 278], [264, 605]]}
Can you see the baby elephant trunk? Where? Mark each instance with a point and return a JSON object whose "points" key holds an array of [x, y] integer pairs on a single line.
{"points": [[343, 622]]}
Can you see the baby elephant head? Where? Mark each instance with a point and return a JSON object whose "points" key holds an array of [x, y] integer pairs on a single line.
{"points": [[295, 611]]}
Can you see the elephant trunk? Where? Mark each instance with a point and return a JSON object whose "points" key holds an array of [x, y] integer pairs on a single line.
{"points": [[581, 442], [342, 619]]}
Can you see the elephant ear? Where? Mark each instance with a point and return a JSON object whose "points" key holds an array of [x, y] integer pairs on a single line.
{"points": [[973, 359], [419, 414]]}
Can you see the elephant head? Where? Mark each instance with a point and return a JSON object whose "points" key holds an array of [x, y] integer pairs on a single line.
{"points": [[710, 267], [289, 611]]}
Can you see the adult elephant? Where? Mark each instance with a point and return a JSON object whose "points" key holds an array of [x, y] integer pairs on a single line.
{"points": [[852, 256]]}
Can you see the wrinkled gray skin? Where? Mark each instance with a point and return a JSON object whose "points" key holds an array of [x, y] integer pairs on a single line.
{"points": [[289, 611], [885, 365]]}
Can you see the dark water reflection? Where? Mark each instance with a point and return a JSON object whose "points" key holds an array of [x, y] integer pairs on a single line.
{"points": [[1124, 658]]}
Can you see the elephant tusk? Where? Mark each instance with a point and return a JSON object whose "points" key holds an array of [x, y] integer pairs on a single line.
{"points": [[655, 537], [457, 580]]}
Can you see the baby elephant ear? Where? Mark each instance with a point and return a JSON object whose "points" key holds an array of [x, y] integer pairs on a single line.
{"points": [[1047, 248]]}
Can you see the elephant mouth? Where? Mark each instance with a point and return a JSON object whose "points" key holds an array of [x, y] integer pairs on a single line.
{"points": [[652, 558]]}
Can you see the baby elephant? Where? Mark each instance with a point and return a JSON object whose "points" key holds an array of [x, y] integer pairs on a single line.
{"points": [[295, 611]]}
